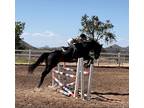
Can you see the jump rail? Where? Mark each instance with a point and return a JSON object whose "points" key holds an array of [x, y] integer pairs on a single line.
{"points": [[79, 80]]}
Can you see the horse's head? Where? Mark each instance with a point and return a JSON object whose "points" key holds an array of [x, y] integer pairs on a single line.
{"points": [[97, 49]]}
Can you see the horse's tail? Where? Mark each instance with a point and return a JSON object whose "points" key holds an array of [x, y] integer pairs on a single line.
{"points": [[40, 60]]}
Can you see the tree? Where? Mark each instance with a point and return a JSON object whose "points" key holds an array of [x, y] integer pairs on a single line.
{"points": [[19, 27], [96, 29]]}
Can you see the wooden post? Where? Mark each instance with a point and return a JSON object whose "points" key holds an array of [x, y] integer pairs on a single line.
{"points": [[119, 61], [29, 57]]}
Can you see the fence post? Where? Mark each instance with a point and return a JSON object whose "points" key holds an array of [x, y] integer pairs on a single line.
{"points": [[119, 60], [29, 56]]}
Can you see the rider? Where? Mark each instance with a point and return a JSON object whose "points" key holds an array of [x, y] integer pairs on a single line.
{"points": [[82, 38], [74, 49], [73, 41], [79, 39]]}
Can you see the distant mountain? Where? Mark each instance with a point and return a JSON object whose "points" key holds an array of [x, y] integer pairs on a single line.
{"points": [[27, 46], [116, 48], [111, 49]]}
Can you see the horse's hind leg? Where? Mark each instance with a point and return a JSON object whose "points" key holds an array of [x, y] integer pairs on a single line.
{"points": [[40, 60], [44, 73]]}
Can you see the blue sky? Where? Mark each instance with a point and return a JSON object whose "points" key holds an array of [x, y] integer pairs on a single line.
{"points": [[52, 22]]}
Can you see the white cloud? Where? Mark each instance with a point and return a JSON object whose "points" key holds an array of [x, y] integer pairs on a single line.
{"points": [[40, 39], [41, 34], [26, 34]]}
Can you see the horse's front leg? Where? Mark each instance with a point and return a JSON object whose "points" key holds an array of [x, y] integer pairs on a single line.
{"points": [[89, 61]]}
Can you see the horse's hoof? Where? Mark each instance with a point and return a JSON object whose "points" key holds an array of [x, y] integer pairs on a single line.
{"points": [[37, 89]]}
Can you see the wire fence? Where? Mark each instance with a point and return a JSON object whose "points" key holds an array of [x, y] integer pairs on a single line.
{"points": [[105, 59]]}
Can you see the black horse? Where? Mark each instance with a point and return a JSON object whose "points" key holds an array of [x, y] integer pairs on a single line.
{"points": [[72, 53]]}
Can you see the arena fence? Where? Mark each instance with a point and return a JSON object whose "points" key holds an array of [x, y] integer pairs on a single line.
{"points": [[105, 59]]}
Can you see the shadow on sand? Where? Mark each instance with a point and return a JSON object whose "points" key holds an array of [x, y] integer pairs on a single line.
{"points": [[103, 96]]}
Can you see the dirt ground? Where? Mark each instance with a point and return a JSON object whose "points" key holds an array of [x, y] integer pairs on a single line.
{"points": [[110, 89]]}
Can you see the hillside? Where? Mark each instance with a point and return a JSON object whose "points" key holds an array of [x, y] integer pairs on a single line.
{"points": [[116, 48], [27, 46]]}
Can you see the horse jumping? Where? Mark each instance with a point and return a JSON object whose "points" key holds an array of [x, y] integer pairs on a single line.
{"points": [[72, 53]]}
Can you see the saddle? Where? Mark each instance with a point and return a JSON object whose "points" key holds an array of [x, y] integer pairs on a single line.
{"points": [[65, 49]]}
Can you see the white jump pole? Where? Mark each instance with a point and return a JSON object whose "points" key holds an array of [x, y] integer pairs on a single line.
{"points": [[82, 78], [58, 70], [89, 82], [53, 74], [53, 82], [63, 87], [77, 79]]}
